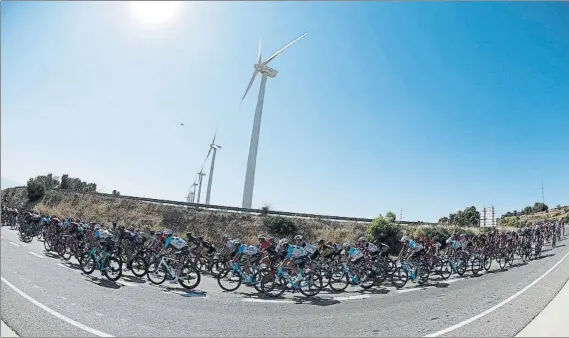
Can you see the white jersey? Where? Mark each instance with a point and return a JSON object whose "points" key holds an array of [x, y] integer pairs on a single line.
{"points": [[372, 247], [177, 242], [251, 250], [310, 249]]}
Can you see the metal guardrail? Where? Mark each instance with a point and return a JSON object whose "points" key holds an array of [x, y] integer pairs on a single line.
{"points": [[236, 209]]}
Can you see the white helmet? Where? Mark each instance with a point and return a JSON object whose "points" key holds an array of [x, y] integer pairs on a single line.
{"points": [[298, 238], [404, 239]]}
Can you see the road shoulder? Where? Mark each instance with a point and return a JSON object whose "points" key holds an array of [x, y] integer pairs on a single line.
{"points": [[6, 331], [552, 321]]}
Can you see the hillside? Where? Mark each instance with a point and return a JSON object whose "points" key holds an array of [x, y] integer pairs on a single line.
{"points": [[145, 215], [214, 223], [552, 214]]}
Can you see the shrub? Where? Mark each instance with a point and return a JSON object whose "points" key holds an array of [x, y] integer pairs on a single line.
{"points": [[265, 210], [35, 189], [280, 226], [383, 230]]}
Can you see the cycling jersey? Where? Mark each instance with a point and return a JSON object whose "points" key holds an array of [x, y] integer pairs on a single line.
{"points": [[176, 242], [371, 247], [309, 248], [295, 251]]}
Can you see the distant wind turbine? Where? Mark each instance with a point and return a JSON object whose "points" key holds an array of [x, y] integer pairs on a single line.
{"points": [[201, 174], [213, 147], [260, 67]]}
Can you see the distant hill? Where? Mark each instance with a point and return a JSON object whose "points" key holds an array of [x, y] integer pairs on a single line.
{"points": [[8, 183]]}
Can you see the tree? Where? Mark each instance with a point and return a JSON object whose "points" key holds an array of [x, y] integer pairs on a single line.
{"points": [[64, 182], [540, 207], [391, 217], [76, 184], [443, 220], [116, 192], [35, 189]]}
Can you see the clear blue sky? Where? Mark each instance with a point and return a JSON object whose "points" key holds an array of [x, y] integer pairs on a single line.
{"points": [[428, 106]]}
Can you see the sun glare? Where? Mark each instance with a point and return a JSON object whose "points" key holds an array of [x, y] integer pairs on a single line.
{"points": [[154, 12]]}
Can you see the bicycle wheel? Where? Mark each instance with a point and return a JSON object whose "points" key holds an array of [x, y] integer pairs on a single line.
{"points": [[502, 261], [272, 286], [339, 279], [400, 277], [219, 266], [87, 263], [311, 285], [189, 277], [64, 251], [114, 271], [476, 265], [446, 270], [487, 261], [156, 272], [367, 280], [231, 277], [138, 267]]}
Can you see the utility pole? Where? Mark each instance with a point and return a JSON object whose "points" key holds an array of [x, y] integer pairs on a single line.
{"points": [[401, 214], [542, 195]]}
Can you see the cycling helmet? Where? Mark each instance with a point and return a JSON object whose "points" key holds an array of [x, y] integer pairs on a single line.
{"points": [[298, 238], [96, 227], [261, 237], [225, 236], [167, 232], [361, 239], [283, 241], [404, 239], [321, 241], [346, 245]]}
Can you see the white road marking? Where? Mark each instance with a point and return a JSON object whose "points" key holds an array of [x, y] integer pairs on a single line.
{"points": [[55, 313], [351, 297], [35, 254], [127, 283], [499, 305], [409, 290], [255, 300], [453, 280], [14, 244], [99, 314]]}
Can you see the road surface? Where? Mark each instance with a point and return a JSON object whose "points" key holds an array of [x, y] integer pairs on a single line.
{"points": [[44, 296]]}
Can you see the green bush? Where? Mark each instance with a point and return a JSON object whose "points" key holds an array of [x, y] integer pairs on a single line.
{"points": [[280, 226], [383, 229], [35, 189]]}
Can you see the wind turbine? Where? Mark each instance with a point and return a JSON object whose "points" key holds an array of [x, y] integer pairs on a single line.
{"points": [[213, 147], [260, 67], [201, 174], [193, 192]]}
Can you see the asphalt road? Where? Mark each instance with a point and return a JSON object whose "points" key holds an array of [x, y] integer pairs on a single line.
{"points": [[44, 296]]}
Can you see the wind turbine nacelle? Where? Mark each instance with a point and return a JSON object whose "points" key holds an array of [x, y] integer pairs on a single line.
{"points": [[270, 72]]}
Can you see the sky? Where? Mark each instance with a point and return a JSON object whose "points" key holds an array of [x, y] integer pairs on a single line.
{"points": [[424, 107]]}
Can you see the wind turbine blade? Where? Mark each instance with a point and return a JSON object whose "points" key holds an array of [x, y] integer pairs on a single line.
{"points": [[213, 142], [272, 57], [208, 153], [259, 56], [250, 84]]}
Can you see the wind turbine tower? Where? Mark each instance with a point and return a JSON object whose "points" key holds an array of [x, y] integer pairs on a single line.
{"points": [[201, 174], [260, 67], [213, 147]]}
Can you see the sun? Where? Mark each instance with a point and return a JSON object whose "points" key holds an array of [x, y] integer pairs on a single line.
{"points": [[154, 12]]}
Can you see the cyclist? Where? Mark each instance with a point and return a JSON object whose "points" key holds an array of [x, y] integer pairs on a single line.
{"points": [[176, 247]]}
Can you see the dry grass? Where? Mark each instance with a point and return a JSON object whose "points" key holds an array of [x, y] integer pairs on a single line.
{"points": [[208, 223]]}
